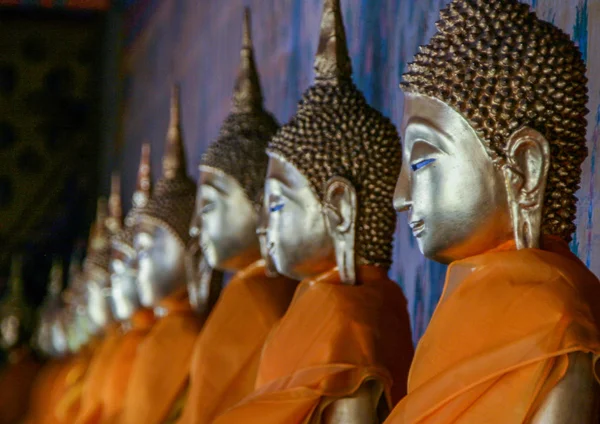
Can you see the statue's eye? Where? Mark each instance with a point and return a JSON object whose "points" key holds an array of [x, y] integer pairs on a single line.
{"points": [[422, 163], [207, 207], [276, 208]]}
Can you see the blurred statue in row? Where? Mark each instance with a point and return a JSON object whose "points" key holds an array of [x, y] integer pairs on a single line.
{"points": [[494, 137], [51, 340], [112, 288], [159, 374], [224, 230], [17, 322], [135, 321], [341, 352]]}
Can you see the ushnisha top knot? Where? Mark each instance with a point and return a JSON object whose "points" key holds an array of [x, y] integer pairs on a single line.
{"points": [[502, 68], [173, 200], [123, 239], [336, 133], [239, 150]]}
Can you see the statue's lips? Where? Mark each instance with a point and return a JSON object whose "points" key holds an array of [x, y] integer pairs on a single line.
{"points": [[417, 227]]}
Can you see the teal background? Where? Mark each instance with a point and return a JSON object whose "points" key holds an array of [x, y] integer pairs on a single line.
{"points": [[196, 43]]}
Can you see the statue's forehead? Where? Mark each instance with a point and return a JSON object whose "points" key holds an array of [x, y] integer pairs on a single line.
{"points": [[285, 173], [430, 119]]}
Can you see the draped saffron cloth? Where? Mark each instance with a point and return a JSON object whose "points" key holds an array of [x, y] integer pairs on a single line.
{"points": [[16, 383], [227, 351], [41, 394], [68, 386], [333, 339], [118, 372], [161, 368], [90, 410], [498, 340]]}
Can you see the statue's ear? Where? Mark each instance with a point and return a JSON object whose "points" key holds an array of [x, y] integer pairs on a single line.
{"points": [[525, 176], [340, 216]]}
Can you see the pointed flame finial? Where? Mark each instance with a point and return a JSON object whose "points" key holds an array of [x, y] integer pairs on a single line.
{"points": [[174, 157], [332, 61], [144, 179], [56, 279], [115, 207], [247, 94]]}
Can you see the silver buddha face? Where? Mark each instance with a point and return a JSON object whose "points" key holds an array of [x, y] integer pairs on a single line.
{"points": [[123, 278], [10, 329], [43, 335], [228, 219], [455, 197], [58, 336], [160, 258], [297, 235], [97, 297]]}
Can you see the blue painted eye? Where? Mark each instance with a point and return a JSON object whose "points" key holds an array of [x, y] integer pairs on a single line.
{"points": [[421, 164], [276, 208]]}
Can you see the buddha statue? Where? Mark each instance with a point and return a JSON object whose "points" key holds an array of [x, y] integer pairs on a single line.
{"points": [[51, 341], [494, 137], [160, 372], [330, 181], [123, 274], [232, 176], [107, 331], [135, 320], [73, 317], [95, 266], [47, 312], [16, 327]]}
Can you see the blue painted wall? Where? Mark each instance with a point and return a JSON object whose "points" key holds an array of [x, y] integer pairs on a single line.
{"points": [[196, 43]]}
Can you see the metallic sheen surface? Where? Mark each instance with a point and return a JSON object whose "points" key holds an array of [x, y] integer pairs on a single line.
{"points": [[358, 409], [97, 294], [229, 221], [160, 262], [124, 298], [261, 232], [461, 204], [204, 284], [454, 194], [575, 398], [297, 235]]}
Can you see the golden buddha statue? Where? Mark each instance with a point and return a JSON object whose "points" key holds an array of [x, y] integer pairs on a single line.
{"points": [[161, 368], [16, 327], [232, 176], [494, 131], [329, 188]]}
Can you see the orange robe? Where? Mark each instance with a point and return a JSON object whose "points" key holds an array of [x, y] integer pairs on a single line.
{"points": [[16, 383], [500, 335], [41, 393], [161, 370], [118, 372], [227, 351], [90, 411], [332, 340], [67, 388]]}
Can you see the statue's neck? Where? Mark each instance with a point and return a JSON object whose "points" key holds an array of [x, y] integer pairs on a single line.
{"points": [[176, 302]]}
